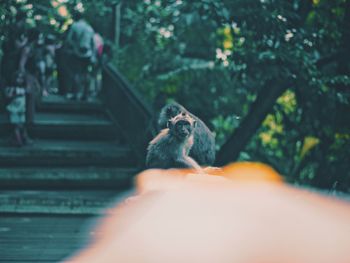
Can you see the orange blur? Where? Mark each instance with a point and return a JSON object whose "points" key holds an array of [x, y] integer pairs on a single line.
{"points": [[239, 172], [251, 172], [243, 214]]}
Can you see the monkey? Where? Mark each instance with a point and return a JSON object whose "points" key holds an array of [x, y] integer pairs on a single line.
{"points": [[203, 149], [170, 148]]}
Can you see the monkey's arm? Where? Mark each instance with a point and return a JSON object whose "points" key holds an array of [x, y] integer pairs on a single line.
{"points": [[188, 162]]}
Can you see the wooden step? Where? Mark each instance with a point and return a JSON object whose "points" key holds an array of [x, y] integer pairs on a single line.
{"points": [[67, 153], [71, 118], [37, 238], [48, 226], [74, 126], [60, 202], [66, 178], [57, 103]]}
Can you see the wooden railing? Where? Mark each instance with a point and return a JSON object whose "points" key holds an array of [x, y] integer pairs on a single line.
{"points": [[129, 110]]}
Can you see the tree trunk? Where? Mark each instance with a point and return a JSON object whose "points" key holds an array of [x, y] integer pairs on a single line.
{"points": [[241, 136], [116, 18]]}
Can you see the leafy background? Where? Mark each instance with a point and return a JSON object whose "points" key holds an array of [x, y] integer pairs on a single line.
{"points": [[218, 57]]}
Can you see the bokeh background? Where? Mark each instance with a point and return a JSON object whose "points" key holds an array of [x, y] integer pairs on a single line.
{"points": [[270, 74]]}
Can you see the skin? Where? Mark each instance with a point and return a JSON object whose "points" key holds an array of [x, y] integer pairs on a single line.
{"points": [[244, 214]]}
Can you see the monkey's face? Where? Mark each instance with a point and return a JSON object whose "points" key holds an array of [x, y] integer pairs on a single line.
{"points": [[181, 126]]}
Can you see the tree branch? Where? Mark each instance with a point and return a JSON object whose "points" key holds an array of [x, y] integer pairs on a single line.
{"points": [[241, 136]]}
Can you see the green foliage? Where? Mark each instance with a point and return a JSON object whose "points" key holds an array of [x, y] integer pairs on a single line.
{"points": [[55, 16], [216, 57]]}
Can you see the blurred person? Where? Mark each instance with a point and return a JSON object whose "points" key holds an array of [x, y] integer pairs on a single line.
{"points": [[15, 94], [243, 213], [13, 46], [32, 83], [64, 74], [79, 52], [96, 76], [51, 46], [42, 61], [17, 49]]}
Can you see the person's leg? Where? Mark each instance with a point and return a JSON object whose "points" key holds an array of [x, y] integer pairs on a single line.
{"points": [[30, 107], [16, 110], [87, 71], [92, 81], [64, 75], [18, 140], [80, 78], [25, 137]]}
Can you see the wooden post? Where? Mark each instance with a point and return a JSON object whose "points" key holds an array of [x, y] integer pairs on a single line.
{"points": [[116, 25]]}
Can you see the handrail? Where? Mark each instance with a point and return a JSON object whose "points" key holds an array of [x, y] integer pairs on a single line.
{"points": [[132, 93], [129, 110]]}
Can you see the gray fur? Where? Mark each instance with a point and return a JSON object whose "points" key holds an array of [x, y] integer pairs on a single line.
{"points": [[167, 150], [203, 149]]}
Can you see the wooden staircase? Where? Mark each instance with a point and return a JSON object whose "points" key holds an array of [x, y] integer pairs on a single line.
{"points": [[73, 142], [79, 164]]}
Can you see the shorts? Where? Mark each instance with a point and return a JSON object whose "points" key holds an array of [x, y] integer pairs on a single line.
{"points": [[17, 110]]}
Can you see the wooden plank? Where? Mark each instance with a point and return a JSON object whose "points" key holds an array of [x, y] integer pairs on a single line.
{"points": [[59, 202], [82, 178], [66, 152], [57, 103], [42, 238]]}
